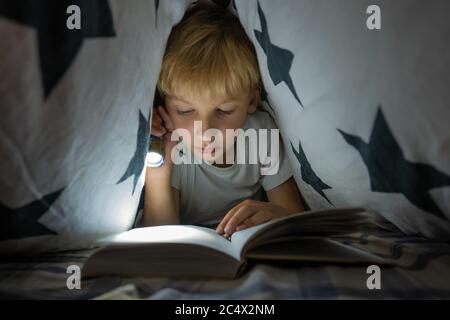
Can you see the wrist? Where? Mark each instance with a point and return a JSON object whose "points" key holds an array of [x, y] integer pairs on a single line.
{"points": [[163, 173]]}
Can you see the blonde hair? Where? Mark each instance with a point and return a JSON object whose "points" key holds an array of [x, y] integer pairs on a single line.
{"points": [[209, 53]]}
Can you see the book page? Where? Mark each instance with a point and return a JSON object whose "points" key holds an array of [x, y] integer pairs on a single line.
{"points": [[303, 223], [182, 234], [240, 238]]}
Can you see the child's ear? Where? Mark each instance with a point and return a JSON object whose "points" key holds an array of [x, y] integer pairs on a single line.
{"points": [[255, 100]]}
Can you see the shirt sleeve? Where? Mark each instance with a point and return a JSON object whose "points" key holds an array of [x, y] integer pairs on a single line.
{"points": [[276, 176], [279, 170]]}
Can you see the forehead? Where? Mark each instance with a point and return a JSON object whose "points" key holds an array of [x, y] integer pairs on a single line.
{"points": [[205, 100]]}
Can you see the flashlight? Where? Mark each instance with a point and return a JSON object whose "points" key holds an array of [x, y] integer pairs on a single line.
{"points": [[155, 153]]}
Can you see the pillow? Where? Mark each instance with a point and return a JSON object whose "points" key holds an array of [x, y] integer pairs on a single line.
{"points": [[75, 108], [364, 112]]}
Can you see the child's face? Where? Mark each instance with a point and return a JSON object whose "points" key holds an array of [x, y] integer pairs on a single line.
{"points": [[219, 113]]}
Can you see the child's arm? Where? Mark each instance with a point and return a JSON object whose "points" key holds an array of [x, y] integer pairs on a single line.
{"points": [[287, 196], [161, 200]]}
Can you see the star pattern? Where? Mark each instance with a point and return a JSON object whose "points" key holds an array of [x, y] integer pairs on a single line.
{"points": [[308, 174], [233, 3], [137, 162], [58, 46], [223, 3], [266, 99], [23, 222], [156, 12], [139, 208], [390, 172], [279, 60]]}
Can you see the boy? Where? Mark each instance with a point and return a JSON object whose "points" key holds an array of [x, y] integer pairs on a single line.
{"points": [[210, 74]]}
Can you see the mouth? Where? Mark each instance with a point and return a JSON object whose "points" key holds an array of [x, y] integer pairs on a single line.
{"points": [[207, 149]]}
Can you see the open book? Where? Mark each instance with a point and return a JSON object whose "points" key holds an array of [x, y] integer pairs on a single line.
{"points": [[199, 252]]}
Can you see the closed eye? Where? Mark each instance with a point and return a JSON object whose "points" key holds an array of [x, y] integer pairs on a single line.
{"points": [[225, 112], [181, 112]]}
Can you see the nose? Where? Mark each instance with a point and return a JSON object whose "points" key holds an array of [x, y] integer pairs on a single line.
{"points": [[205, 137]]}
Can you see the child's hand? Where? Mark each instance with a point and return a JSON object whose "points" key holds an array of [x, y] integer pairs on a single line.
{"points": [[249, 213], [161, 122], [162, 126]]}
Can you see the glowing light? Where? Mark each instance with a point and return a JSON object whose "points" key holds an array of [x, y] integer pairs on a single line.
{"points": [[158, 234], [154, 159], [179, 234]]}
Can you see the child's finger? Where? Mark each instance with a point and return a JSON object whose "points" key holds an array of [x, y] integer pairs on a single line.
{"points": [[220, 228], [257, 218], [158, 130], [243, 213], [158, 125], [156, 117], [166, 117]]}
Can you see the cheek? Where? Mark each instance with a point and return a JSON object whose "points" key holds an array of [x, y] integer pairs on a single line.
{"points": [[236, 120], [230, 122], [182, 123]]}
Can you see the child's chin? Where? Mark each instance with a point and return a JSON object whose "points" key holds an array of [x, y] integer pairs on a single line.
{"points": [[208, 157]]}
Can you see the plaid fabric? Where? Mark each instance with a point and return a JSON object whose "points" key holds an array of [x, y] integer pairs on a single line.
{"points": [[421, 271]]}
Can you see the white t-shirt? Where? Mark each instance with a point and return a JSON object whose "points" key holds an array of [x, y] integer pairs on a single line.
{"points": [[208, 192]]}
